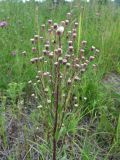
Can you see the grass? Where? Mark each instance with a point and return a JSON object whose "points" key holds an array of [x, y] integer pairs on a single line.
{"points": [[89, 131]]}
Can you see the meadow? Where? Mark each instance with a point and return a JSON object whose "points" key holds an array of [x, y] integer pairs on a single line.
{"points": [[56, 99]]}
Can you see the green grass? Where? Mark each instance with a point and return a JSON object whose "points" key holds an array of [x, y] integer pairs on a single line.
{"points": [[94, 131]]}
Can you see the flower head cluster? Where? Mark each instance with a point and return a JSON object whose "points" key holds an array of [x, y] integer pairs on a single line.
{"points": [[58, 62]]}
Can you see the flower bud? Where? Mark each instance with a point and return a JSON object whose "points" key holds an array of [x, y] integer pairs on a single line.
{"points": [[74, 35], [45, 74], [67, 56], [91, 58], [32, 40], [68, 15], [38, 81], [39, 72], [69, 81], [60, 30], [49, 30], [34, 49], [41, 38], [46, 90], [87, 61], [92, 48], [54, 41], [94, 66], [63, 23], [49, 21], [77, 78], [96, 52], [82, 51], [40, 106], [70, 43], [55, 26], [48, 101], [82, 70], [51, 55], [85, 65], [76, 105], [46, 62], [68, 65], [45, 52], [34, 84], [83, 58], [56, 52], [84, 43], [74, 30], [56, 63], [37, 77], [47, 47], [60, 59], [77, 66], [75, 98], [76, 24], [33, 95], [36, 37], [43, 26], [59, 51], [29, 82], [66, 22], [71, 48], [34, 60], [40, 58], [64, 61], [61, 76]]}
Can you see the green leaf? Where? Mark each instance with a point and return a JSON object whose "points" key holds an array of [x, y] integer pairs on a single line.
{"points": [[104, 124]]}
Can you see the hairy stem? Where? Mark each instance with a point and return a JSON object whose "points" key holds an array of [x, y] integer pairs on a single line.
{"points": [[56, 100]]}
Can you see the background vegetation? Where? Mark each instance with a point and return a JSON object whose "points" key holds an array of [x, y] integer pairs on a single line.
{"points": [[95, 133]]}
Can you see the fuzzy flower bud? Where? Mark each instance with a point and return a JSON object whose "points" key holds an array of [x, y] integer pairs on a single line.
{"points": [[83, 58], [36, 37], [74, 35], [55, 26], [69, 81], [43, 26], [66, 22], [84, 42], [70, 43], [68, 65], [47, 47], [71, 48], [76, 24], [92, 48], [51, 55], [74, 30], [68, 15], [63, 23], [45, 52], [29, 82], [91, 58], [59, 50], [60, 59], [32, 40], [77, 78], [87, 61], [34, 49], [64, 61], [60, 30], [49, 21]]}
